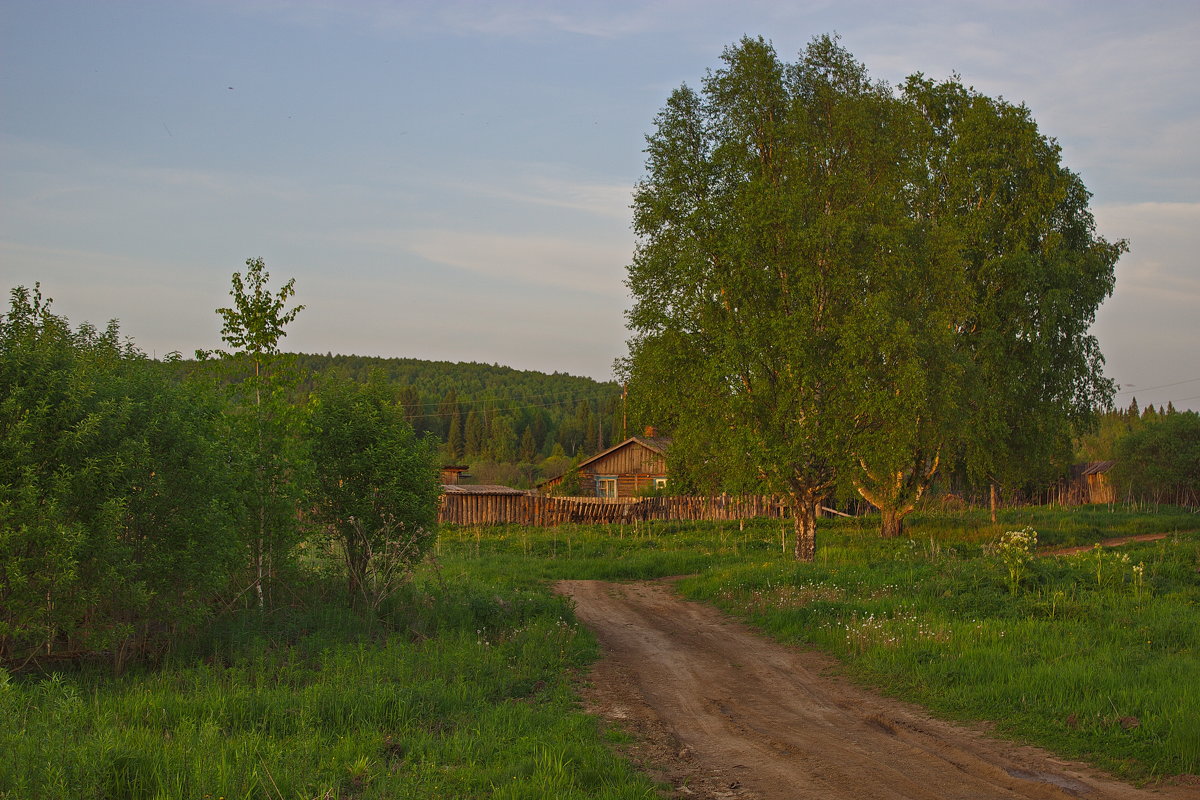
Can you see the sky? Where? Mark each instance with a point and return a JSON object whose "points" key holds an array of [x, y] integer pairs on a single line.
{"points": [[452, 180]]}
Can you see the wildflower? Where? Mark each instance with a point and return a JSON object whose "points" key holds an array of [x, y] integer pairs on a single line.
{"points": [[1139, 577], [1015, 551]]}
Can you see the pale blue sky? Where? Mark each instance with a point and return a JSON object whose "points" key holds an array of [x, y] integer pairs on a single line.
{"points": [[451, 180]]}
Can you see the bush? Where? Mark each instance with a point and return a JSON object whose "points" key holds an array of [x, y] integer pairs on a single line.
{"points": [[114, 521], [377, 485]]}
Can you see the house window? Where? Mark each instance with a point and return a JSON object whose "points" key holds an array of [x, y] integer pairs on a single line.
{"points": [[606, 487], [660, 483]]}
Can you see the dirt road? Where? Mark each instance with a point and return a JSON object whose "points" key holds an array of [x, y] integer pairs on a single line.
{"points": [[1070, 551], [720, 711]]}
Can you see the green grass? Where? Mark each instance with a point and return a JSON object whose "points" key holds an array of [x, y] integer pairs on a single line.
{"points": [[533, 556], [463, 690], [1085, 657], [464, 686], [1104, 669]]}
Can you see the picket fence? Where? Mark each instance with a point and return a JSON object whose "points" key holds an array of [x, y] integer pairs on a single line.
{"points": [[540, 511]]}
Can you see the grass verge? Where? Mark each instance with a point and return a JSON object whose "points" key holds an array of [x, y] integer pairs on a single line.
{"points": [[463, 689]]}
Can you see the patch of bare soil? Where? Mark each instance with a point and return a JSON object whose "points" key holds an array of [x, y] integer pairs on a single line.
{"points": [[1070, 551], [718, 711]]}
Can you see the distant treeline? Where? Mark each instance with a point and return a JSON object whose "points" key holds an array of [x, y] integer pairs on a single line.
{"points": [[1156, 450], [512, 426]]}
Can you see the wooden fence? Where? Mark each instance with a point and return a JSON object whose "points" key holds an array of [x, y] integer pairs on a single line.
{"points": [[539, 511]]}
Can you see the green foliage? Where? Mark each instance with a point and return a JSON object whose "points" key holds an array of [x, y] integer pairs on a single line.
{"points": [[264, 424], [837, 282], [1014, 549], [114, 506], [1036, 272], [1160, 460], [255, 323], [484, 411], [1099, 442], [555, 464], [460, 688], [377, 485], [774, 249], [570, 485]]}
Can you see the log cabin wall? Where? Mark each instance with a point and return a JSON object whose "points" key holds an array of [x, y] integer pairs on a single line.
{"points": [[627, 485], [634, 463], [632, 459]]}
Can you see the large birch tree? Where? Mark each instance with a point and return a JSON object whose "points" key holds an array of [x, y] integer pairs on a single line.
{"points": [[833, 281]]}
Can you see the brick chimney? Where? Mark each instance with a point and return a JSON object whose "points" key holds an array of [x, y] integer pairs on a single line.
{"points": [[651, 432]]}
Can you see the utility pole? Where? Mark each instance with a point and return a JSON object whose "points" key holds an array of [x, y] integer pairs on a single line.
{"points": [[624, 422]]}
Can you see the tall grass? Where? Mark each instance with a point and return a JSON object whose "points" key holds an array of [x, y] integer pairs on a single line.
{"points": [[462, 690]]}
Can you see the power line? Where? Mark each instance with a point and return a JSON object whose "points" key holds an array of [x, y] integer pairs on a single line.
{"points": [[569, 396], [1163, 386], [435, 415]]}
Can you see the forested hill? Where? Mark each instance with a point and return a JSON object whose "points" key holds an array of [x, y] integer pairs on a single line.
{"points": [[486, 412]]}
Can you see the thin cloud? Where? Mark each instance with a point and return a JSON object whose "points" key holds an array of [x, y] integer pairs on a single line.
{"points": [[65, 171], [595, 267], [600, 199], [1147, 328], [510, 19], [1114, 121], [1163, 241]]}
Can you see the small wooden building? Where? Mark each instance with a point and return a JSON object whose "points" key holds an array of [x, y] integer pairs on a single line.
{"points": [[452, 474], [472, 504], [1090, 484], [625, 470], [1099, 487]]}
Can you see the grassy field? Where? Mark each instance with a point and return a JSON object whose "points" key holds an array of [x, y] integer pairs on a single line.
{"points": [[463, 690], [464, 686], [1095, 655]]}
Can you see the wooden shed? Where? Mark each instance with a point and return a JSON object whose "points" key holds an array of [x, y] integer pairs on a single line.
{"points": [[471, 504], [1099, 488], [624, 470], [1089, 483], [452, 474]]}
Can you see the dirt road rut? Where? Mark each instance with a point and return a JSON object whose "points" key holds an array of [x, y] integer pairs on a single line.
{"points": [[720, 711]]}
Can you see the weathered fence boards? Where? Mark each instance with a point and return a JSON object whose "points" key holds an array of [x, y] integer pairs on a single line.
{"points": [[531, 509]]}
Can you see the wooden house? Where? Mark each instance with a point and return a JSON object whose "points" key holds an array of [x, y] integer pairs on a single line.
{"points": [[628, 469]]}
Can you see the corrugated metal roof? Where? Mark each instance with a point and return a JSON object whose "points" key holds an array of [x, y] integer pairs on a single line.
{"points": [[1097, 467], [659, 443], [459, 488]]}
